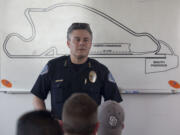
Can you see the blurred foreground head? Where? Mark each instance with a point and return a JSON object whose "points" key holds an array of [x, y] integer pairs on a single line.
{"points": [[79, 115], [111, 118], [38, 123]]}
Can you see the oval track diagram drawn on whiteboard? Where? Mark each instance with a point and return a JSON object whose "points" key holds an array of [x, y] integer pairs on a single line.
{"points": [[162, 58], [129, 54]]}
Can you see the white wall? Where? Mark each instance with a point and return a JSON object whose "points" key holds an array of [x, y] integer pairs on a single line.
{"points": [[146, 114]]}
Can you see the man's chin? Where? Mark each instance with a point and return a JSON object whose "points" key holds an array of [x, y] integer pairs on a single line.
{"points": [[82, 56]]}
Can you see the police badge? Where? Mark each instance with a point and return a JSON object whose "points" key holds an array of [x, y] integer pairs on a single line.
{"points": [[92, 76]]}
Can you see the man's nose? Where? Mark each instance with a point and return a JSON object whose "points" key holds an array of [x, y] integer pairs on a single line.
{"points": [[81, 42]]}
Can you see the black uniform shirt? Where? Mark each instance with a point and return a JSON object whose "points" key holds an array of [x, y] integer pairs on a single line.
{"points": [[62, 79]]}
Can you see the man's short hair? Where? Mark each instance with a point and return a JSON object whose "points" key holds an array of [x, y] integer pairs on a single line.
{"points": [[38, 123], [79, 115], [78, 26], [111, 118]]}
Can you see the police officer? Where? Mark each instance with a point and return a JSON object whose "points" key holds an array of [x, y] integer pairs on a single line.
{"points": [[76, 73]]}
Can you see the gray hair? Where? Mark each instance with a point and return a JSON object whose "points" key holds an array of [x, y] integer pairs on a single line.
{"points": [[78, 26]]}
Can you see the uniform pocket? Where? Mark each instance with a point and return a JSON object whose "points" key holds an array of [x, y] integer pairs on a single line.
{"points": [[93, 89], [58, 90]]}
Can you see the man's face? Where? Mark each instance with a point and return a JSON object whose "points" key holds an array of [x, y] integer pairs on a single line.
{"points": [[79, 43]]}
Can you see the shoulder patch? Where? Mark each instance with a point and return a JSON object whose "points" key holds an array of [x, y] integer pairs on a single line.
{"points": [[111, 78], [45, 70]]}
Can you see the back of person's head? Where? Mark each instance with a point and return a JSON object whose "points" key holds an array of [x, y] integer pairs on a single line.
{"points": [[78, 26], [38, 123], [79, 115], [111, 118]]}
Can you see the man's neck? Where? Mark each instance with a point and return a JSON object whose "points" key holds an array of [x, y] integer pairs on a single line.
{"points": [[78, 60]]}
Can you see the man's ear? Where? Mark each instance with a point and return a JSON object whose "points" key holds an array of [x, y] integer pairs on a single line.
{"points": [[60, 123], [122, 125], [68, 44], [96, 128]]}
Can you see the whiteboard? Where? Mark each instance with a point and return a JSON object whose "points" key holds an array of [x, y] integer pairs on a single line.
{"points": [[137, 40]]}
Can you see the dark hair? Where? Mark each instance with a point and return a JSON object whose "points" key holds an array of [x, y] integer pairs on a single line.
{"points": [[79, 115], [38, 123], [78, 26]]}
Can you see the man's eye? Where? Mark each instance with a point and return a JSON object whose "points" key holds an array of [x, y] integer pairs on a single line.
{"points": [[86, 40], [77, 39]]}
